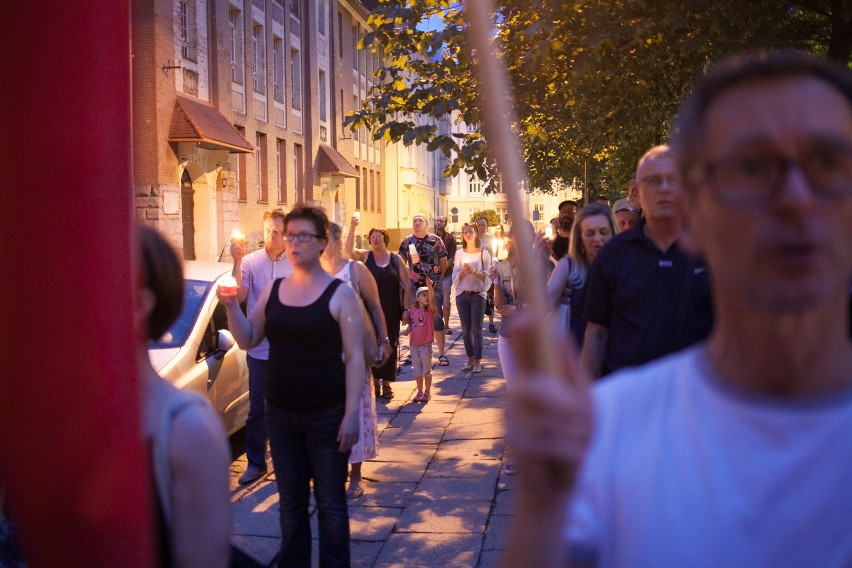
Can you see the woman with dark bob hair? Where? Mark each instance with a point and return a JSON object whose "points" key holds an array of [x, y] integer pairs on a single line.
{"points": [[312, 393], [190, 453]]}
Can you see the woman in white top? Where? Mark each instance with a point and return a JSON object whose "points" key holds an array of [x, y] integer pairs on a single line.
{"points": [[359, 278], [470, 270]]}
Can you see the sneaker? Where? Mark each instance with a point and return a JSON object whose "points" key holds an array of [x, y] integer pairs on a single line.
{"points": [[492, 328], [418, 397], [477, 368], [426, 397], [387, 392], [449, 331], [252, 473]]}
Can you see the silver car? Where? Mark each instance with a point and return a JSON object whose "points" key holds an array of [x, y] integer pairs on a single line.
{"points": [[199, 353]]}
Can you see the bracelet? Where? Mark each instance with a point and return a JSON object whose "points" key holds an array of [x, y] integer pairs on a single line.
{"points": [[384, 340]]}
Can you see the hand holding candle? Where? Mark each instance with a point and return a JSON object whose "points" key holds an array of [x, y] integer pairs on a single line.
{"points": [[228, 286]]}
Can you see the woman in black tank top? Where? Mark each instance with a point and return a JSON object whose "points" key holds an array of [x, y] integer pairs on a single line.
{"points": [[312, 396]]}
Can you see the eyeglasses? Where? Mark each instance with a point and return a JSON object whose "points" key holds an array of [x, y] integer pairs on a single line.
{"points": [[754, 180], [656, 181], [300, 237]]}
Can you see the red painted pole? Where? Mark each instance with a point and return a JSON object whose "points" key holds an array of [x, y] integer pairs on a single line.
{"points": [[71, 459]]}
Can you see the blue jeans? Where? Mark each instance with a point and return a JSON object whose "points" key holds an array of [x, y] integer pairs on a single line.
{"points": [[256, 423], [471, 309], [304, 447]]}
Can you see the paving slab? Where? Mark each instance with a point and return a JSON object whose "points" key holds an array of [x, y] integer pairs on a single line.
{"points": [[410, 435], [478, 430], [486, 448], [456, 467], [497, 532], [396, 471], [261, 548], [422, 420], [413, 453], [443, 550], [454, 489], [489, 559], [444, 517], [504, 503], [384, 494]]}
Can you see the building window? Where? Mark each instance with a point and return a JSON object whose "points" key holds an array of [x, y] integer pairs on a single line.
{"points": [[258, 47], [340, 35], [294, 7], [474, 184], [235, 37], [260, 162], [242, 189], [372, 180], [323, 97], [278, 69], [277, 12], [296, 79], [538, 212], [281, 169], [358, 189], [366, 190], [355, 48], [322, 16], [379, 192], [299, 176], [186, 29]]}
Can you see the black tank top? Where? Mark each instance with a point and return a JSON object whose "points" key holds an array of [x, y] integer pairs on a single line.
{"points": [[305, 372], [387, 282]]}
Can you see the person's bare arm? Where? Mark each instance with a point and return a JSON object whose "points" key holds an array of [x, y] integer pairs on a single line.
{"points": [[349, 245], [201, 506], [345, 310], [548, 426], [238, 251], [594, 347], [370, 294], [248, 332], [557, 281]]}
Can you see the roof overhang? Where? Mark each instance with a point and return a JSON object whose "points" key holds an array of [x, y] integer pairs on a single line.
{"points": [[330, 162], [196, 121]]}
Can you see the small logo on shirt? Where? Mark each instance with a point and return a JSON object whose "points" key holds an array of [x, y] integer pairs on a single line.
{"points": [[666, 264]]}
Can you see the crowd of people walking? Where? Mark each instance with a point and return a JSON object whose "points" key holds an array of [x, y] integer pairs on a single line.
{"points": [[714, 298]]}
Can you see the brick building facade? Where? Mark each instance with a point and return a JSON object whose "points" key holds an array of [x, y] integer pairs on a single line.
{"points": [[238, 108]]}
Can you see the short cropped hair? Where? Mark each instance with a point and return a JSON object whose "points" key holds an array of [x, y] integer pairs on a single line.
{"points": [[162, 274], [689, 129], [274, 214], [316, 215], [567, 202], [661, 151], [335, 231], [383, 232]]}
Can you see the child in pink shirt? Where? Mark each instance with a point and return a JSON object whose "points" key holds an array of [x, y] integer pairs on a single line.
{"points": [[422, 335]]}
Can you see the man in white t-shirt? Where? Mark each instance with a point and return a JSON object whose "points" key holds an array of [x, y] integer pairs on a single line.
{"points": [[736, 451], [255, 271]]}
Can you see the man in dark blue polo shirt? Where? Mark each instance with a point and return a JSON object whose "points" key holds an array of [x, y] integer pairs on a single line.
{"points": [[646, 298]]}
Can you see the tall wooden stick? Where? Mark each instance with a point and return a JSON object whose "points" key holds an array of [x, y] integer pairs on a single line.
{"points": [[498, 116]]}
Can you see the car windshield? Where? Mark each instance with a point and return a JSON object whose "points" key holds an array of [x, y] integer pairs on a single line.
{"points": [[193, 298]]}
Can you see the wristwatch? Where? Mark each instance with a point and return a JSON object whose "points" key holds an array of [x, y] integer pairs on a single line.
{"points": [[384, 340]]}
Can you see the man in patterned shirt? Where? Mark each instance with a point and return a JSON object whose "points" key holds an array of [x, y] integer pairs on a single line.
{"points": [[432, 263]]}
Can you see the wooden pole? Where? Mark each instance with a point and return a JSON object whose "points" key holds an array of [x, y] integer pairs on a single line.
{"points": [[72, 462], [498, 116]]}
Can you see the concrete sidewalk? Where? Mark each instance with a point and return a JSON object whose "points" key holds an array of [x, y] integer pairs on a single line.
{"points": [[436, 495]]}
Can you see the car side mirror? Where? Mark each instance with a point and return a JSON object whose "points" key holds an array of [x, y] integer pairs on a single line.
{"points": [[224, 342]]}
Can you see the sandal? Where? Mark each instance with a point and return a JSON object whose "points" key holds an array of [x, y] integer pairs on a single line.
{"points": [[477, 368], [443, 361], [418, 397], [426, 397], [387, 393], [354, 492], [467, 367]]}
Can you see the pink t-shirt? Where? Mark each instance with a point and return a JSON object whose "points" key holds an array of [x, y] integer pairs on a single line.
{"points": [[422, 326]]}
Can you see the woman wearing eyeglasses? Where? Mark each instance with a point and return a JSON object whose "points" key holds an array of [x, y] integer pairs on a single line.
{"points": [[312, 394]]}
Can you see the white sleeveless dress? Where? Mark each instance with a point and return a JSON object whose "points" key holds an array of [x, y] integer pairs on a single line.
{"points": [[368, 442]]}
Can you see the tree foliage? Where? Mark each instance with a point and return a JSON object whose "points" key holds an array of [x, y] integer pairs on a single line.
{"points": [[595, 83], [490, 215]]}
